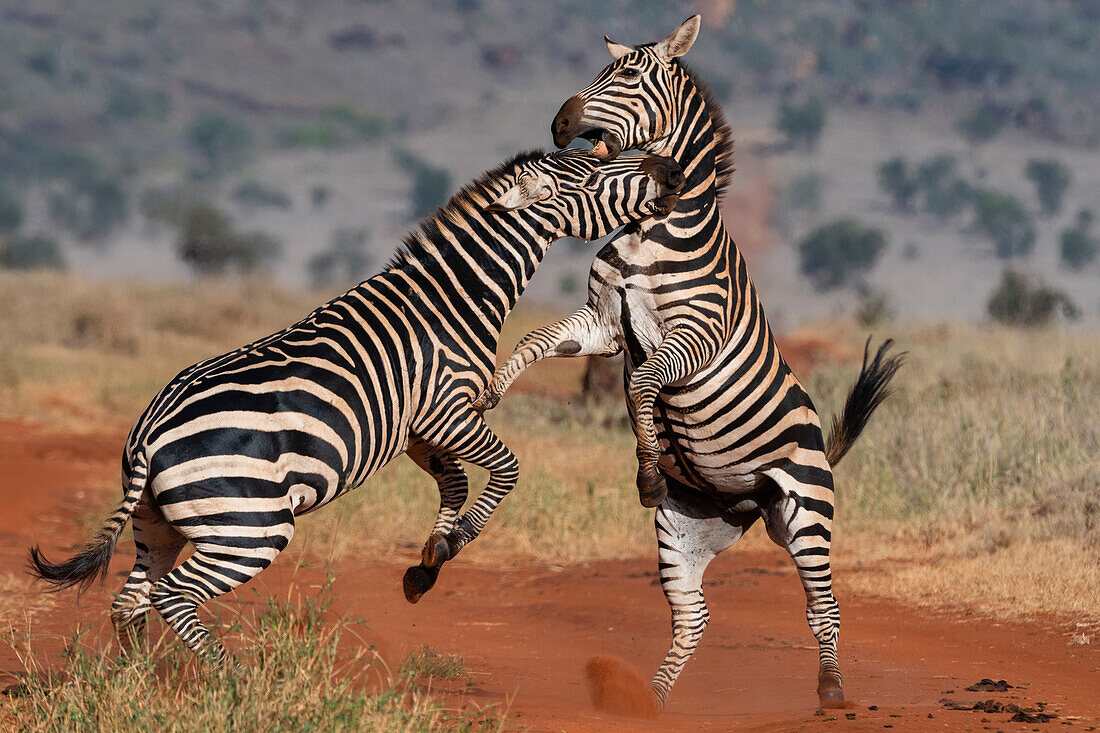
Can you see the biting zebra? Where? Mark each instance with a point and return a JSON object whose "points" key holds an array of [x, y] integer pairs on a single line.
{"points": [[234, 448], [725, 433]]}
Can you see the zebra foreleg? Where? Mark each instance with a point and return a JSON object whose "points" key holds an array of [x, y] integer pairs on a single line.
{"points": [[682, 353], [800, 521], [691, 531], [581, 334], [471, 440], [158, 545], [453, 490]]}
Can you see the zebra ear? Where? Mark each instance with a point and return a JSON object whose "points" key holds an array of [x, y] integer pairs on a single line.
{"points": [[523, 194], [617, 50], [680, 40]]}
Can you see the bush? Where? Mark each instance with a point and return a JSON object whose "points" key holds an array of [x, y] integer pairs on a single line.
{"points": [[431, 185], [1021, 300], [31, 253], [982, 124], [1004, 220], [1051, 178], [345, 261], [833, 254], [209, 245], [895, 181], [802, 123], [11, 212], [948, 199], [254, 193], [131, 103], [220, 141], [1079, 248], [90, 207]]}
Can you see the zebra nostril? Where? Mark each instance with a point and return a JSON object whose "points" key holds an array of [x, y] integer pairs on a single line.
{"points": [[563, 123]]}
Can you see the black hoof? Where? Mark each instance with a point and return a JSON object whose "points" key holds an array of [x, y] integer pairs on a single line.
{"points": [[436, 552], [418, 581]]}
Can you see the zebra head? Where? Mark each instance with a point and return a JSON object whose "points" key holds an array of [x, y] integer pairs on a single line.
{"points": [[632, 101], [585, 198]]}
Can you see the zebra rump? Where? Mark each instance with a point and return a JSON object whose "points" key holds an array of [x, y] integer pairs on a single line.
{"points": [[870, 389]]}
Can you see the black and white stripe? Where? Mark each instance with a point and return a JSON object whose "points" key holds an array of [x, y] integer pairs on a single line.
{"points": [[719, 416], [237, 446]]}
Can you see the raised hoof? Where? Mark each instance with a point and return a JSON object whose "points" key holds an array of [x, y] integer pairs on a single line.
{"points": [[651, 493], [830, 697], [418, 581], [436, 552]]}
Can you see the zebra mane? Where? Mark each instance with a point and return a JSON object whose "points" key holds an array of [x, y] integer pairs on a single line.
{"points": [[723, 135], [474, 196]]}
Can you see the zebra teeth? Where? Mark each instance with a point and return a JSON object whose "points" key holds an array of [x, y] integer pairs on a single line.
{"points": [[599, 149]]}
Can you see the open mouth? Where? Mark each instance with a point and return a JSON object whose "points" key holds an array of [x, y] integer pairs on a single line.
{"points": [[605, 144]]}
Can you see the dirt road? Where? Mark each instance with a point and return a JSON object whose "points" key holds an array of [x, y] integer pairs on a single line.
{"points": [[526, 632]]}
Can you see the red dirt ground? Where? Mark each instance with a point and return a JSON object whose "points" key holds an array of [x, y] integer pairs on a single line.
{"points": [[527, 633]]}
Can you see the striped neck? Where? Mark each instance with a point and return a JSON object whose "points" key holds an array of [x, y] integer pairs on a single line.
{"points": [[692, 143], [482, 260]]}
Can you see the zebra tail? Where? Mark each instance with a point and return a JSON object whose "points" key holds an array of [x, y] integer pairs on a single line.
{"points": [[870, 389], [91, 562]]}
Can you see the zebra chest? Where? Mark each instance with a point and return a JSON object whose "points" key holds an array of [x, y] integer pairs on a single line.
{"points": [[635, 322]]}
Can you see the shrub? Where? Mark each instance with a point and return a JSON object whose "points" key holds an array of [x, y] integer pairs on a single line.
{"points": [[1078, 247], [895, 180], [1004, 220], [1020, 300], [36, 252], [948, 198], [254, 193], [833, 254], [345, 261], [221, 142], [90, 207], [319, 195], [1051, 178], [44, 62], [431, 185], [982, 124], [11, 212], [131, 103], [209, 245], [802, 123], [874, 308]]}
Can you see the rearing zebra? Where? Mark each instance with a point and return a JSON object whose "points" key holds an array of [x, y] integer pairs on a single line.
{"points": [[735, 435], [235, 447]]}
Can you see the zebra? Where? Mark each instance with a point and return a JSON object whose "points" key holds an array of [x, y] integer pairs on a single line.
{"points": [[725, 432], [237, 446]]}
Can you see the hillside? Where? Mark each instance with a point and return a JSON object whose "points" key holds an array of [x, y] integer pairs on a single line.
{"points": [[310, 125]]}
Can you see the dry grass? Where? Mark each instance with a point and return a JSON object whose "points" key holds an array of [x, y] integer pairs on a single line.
{"points": [[975, 485], [287, 648]]}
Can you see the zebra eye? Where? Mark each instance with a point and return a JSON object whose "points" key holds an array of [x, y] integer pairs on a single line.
{"points": [[629, 73]]}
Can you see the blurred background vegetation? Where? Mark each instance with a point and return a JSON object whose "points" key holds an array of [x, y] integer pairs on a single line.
{"points": [[940, 142]]}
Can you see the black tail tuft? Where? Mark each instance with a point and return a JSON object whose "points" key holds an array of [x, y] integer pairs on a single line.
{"points": [[82, 569], [870, 389]]}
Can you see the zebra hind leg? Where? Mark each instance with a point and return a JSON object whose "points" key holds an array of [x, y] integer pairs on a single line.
{"points": [[800, 521], [691, 530], [218, 566], [158, 545], [453, 490]]}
